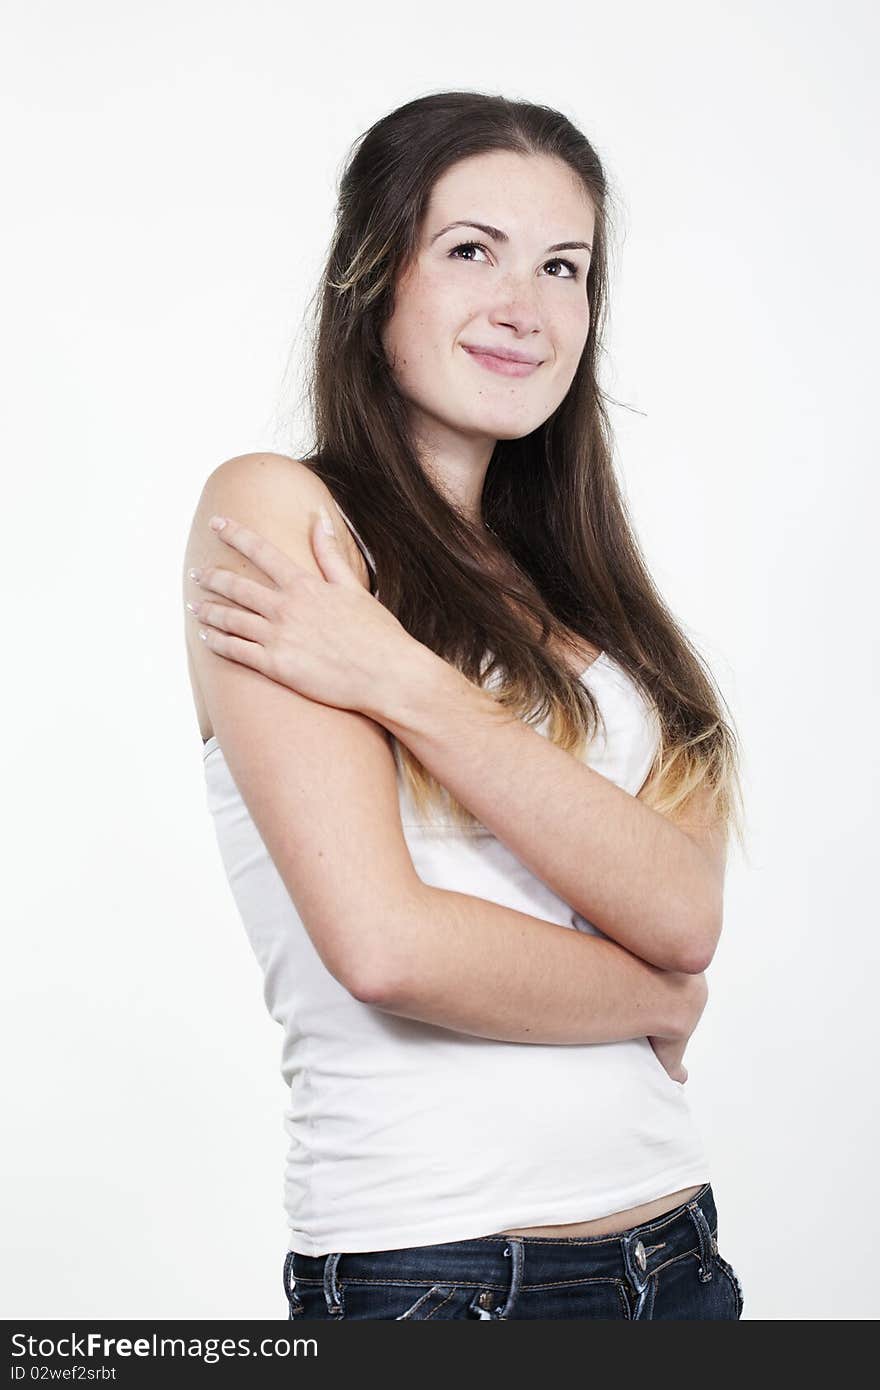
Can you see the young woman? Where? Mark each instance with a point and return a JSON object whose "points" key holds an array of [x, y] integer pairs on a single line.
{"points": [[472, 785]]}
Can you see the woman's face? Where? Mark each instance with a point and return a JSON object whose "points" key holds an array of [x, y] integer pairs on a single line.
{"points": [[509, 291]]}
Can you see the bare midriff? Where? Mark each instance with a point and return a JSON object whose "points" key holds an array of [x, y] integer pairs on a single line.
{"points": [[617, 1221]]}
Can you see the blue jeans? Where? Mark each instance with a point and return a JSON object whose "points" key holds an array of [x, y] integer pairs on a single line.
{"points": [[666, 1268]]}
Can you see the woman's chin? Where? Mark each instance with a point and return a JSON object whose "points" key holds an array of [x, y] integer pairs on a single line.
{"points": [[506, 424]]}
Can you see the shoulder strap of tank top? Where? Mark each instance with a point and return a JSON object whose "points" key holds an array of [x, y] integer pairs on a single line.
{"points": [[361, 544]]}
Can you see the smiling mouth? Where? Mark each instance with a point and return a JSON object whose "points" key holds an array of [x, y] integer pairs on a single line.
{"points": [[504, 366]]}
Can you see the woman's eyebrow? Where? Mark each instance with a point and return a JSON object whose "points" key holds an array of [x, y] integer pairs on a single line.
{"points": [[497, 235]]}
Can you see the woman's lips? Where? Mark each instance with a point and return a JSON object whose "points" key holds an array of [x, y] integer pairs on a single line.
{"points": [[503, 365]]}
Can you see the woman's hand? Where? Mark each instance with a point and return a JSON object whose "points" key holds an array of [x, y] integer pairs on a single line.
{"points": [[670, 1049], [670, 1052], [327, 638]]}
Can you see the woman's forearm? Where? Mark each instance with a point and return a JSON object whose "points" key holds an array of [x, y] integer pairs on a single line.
{"points": [[468, 964], [620, 864]]}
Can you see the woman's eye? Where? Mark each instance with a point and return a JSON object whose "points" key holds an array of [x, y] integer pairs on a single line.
{"points": [[467, 246], [572, 269], [573, 272]]}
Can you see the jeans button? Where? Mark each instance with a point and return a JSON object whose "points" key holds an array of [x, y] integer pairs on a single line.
{"points": [[640, 1255]]}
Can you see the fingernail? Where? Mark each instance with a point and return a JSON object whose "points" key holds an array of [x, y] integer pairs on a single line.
{"points": [[217, 523], [326, 522]]}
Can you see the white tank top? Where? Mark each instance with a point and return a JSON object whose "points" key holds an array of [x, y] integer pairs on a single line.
{"points": [[403, 1133]]}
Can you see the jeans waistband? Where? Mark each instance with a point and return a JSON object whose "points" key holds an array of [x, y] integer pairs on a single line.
{"points": [[632, 1254]]}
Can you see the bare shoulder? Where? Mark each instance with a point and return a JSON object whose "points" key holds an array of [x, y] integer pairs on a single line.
{"points": [[262, 470], [275, 494], [279, 498]]}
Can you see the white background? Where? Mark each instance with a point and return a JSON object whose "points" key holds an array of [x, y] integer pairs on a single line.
{"points": [[170, 175]]}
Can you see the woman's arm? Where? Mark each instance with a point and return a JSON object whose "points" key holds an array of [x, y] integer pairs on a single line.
{"points": [[647, 882], [321, 786], [474, 966]]}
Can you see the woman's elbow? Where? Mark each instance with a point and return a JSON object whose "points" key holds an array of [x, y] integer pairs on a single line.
{"points": [[700, 941], [372, 985], [382, 973]]}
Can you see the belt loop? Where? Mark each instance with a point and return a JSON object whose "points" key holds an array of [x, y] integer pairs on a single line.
{"points": [[698, 1217], [293, 1298], [331, 1289], [514, 1249]]}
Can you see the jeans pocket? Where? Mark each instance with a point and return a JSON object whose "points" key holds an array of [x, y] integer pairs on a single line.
{"points": [[439, 1301], [729, 1273]]}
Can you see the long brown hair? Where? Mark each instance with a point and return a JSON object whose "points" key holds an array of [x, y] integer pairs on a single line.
{"points": [[551, 498]]}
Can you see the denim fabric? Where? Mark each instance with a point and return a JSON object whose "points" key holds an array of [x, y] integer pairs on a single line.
{"points": [[666, 1268]]}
